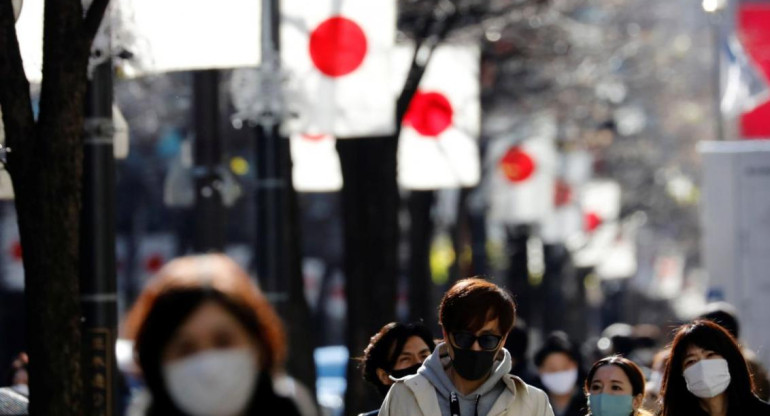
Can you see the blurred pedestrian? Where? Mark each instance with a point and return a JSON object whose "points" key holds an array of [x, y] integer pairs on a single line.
{"points": [[706, 375], [394, 352], [207, 341], [517, 343], [559, 366], [652, 388], [468, 373], [18, 376], [725, 314], [615, 387]]}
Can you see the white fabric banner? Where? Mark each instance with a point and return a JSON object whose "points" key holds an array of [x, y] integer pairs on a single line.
{"points": [[522, 180], [315, 163], [438, 146], [337, 57]]}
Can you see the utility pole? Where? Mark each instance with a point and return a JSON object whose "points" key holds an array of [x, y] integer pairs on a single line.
{"points": [[98, 294], [209, 209], [271, 184]]}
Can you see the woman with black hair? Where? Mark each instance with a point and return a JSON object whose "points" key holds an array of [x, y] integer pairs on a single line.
{"points": [[208, 341], [395, 351], [706, 375], [615, 387]]}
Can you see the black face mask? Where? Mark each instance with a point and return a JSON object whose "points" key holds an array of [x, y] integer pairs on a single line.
{"points": [[405, 371], [473, 365]]}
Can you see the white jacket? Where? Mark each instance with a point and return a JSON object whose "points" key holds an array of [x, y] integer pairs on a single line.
{"points": [[415, 395]]}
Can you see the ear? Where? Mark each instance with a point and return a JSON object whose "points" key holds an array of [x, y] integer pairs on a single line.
{"points": [[444, 334], [637, 402], [384, 378]]}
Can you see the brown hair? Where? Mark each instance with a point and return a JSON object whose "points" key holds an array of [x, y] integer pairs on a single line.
{"points": [[193, 279], [470, 302]]}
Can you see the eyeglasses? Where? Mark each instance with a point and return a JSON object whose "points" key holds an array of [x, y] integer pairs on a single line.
{"points": [[465, 340]]}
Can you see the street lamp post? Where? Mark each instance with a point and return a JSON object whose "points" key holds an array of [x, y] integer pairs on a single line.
{"points": [[714, 9]]}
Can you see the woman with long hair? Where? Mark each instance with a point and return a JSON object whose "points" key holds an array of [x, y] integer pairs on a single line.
{"points": [[706, 375], [208, 342], [615, 387]]}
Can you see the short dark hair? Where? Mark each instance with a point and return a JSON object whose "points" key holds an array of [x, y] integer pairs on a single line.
{"points": [[724, 314], [558, 342], [471, 302], [677, 400], [386, 345], [632, 371]]}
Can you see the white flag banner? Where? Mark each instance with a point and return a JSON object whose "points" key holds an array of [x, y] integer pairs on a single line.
{"points": [[315, 163], [522, 179], [438, 146], [184, 35], [162, 36], [337, 57], [600, 202], [29, 31], [744, 87], [566, 222]]}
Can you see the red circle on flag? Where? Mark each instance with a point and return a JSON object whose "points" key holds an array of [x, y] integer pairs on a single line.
{"points": [[154, 262], [16, 251], [337, 46], [562, 193], [314, 137], [430, 113], [517, 165], [591, 221]]}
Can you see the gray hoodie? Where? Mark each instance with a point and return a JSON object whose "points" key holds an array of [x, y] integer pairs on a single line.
{"points": [[478, 402]]}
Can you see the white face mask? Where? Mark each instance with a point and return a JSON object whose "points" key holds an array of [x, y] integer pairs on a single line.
{"points": [[707, 378], [560, 382], [213, 383]]}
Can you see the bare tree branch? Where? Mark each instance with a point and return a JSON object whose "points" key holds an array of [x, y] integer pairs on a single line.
{"points": [[94, 17]]}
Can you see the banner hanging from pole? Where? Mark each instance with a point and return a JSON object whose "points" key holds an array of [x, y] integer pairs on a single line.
{"points": [[336, 54]]}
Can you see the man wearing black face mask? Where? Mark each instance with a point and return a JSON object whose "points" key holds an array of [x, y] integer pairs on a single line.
{"points": [[397, 350], [468, 374]]}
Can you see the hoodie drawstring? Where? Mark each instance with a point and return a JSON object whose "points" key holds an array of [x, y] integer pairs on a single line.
{"points": [[454, 404]]}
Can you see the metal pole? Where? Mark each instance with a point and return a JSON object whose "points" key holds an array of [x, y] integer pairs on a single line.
{"points": [[98, 293], [209, 210], [270, 184], [716, 32]]}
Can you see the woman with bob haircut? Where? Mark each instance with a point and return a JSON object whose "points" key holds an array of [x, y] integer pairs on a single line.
{"points": [[208, 341], [614, 386], [706, 375]]}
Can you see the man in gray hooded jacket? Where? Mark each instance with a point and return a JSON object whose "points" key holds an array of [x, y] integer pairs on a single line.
{"points": [[467, 375]]}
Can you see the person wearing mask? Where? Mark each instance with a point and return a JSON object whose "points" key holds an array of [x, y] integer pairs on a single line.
{"points": [[615, 387], [725, 314], [207, 341], [652, 388], [558, 363], [394, 352], [468, 373], [706, 375]]}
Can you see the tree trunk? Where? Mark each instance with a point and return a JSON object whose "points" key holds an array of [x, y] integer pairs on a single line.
{"points": [[421, 305], [370, 207], [46, 169]]}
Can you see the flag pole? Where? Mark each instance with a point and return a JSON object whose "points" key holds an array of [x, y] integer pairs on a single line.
{"points": [[270, 251]]}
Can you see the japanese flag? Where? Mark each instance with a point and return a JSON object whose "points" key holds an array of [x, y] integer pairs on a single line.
{"points": [[315, 163], [522, 179], [566, 221], [600, 203], [183, 35], [438, 146], [337, 56]]}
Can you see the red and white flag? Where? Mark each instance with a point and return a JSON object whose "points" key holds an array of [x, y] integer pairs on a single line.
{"points": [[438, 146], [315, 163], [566, 222], [600, 202], [522, 180], [337, 56]]}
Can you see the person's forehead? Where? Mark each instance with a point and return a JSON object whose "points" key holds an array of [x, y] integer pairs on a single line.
{"points": [[611, 373]]}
